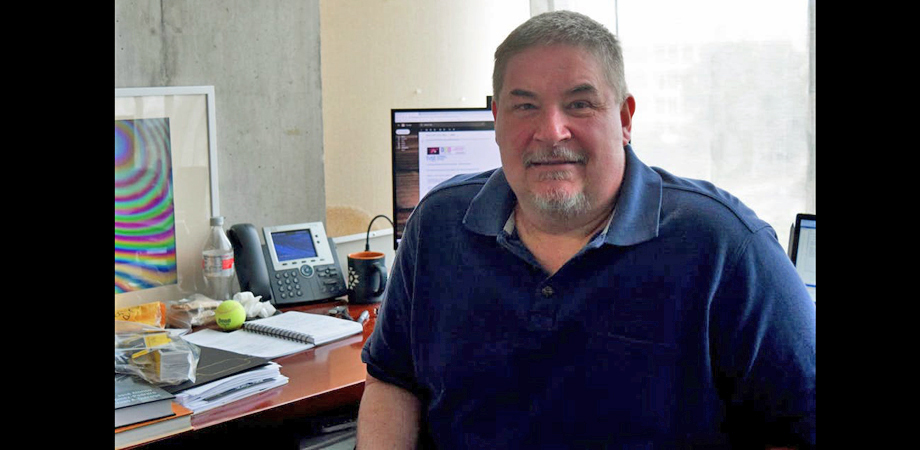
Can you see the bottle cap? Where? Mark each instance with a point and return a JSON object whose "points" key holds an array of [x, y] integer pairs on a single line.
{"points": [[218, 220]]}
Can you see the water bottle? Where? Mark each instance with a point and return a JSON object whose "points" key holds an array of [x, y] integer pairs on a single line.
{"points": [[217, 262]]}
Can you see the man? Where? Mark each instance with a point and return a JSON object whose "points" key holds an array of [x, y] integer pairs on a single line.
{"points": [[576, 298]]}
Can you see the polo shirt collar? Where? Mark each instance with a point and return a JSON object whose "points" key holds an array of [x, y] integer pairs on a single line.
{"points": [[490, 208], [637, 210], [638, 204]]}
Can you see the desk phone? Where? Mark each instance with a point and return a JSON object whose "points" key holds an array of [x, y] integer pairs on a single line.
{"points": [[297, 263]]}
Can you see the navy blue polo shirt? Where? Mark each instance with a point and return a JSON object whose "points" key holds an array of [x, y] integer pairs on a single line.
{"points": [[681, 323]]}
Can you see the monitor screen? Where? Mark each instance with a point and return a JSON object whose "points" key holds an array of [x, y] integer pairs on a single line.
{"points": [[292, 245], [431, 146], [804, 252]]}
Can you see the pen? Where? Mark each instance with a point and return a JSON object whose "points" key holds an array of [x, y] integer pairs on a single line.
{"points": [[363, 317]]}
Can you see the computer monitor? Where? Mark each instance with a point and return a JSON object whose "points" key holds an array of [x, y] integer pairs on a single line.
{"points": [[802, 245], [431, 146]]}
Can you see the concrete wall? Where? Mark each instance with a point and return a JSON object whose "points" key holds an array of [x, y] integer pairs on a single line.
{"points": [[263, 59]]}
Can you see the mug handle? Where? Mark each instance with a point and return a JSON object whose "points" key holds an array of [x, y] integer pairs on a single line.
{"points": [[383, 280]]}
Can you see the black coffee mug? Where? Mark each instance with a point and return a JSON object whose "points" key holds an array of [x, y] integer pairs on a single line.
{"points": [[367, 277]]}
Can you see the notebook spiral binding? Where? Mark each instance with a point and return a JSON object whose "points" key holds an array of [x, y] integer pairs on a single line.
{"points": [[278, 332]]}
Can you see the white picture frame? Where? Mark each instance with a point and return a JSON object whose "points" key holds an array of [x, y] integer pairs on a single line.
{"points": [[193, 141]]}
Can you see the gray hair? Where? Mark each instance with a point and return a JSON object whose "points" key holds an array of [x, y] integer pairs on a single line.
{"points": [[569, 28]]}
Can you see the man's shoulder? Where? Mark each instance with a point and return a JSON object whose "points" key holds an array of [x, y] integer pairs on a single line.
{"points": [[707, 201], [443, 208], [460, 188], [463, 180]]}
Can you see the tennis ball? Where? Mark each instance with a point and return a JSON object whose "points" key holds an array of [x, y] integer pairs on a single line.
{"points": [[230, 315]]}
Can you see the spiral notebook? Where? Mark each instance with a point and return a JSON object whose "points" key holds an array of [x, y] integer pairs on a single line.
{"points": [[278, 335]]}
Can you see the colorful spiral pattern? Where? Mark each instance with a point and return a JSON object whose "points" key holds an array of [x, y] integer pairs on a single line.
{"points": [[145, 238]]}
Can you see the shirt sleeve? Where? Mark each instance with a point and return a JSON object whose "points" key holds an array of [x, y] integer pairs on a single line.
{"points": [[763, 348], [388, 350]]}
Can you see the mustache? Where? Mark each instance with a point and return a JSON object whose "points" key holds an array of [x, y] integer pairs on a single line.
{"points": [[554, 155]]}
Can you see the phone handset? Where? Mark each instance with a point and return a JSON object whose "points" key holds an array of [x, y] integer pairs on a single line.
{"points": [[251, 268]]}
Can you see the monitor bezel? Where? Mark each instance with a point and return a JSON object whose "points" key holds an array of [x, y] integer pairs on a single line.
{"points": [[797, 233]]}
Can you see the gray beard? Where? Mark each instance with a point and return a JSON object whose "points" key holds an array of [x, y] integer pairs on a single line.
{"points": [[560, 205]]}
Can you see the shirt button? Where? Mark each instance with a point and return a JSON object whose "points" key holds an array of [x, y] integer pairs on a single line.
{"points": [[547, 291]]}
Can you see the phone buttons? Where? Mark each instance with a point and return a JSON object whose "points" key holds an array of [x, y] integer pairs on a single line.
{"points": [[306, 270]]}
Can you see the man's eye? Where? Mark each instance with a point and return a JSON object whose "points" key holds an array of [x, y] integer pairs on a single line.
{"points": [[524, 106], [580, 104]]}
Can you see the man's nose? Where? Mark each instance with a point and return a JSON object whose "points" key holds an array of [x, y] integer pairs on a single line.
{"points": [[553, 126]]}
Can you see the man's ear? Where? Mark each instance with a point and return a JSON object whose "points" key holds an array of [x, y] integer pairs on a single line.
{"points": [[627, 109], [495, 118]]}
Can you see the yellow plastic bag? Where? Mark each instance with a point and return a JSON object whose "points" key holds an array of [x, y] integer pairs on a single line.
{"points": [[153, 314]]}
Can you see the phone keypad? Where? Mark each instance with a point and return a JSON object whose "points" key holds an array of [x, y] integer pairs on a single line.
{"points": [[288, 282]]}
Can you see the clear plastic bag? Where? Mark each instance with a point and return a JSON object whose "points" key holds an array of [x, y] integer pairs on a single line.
{"points": [[154, 354], [190, 312]]}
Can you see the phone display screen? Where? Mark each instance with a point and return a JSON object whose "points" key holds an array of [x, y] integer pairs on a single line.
{"points": [[295, 244]]}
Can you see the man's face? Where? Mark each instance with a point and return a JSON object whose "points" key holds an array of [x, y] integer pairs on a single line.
{"points": [[560, 131]]}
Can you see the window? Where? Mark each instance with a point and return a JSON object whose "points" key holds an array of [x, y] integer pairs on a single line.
{"points": [[724, 92]]}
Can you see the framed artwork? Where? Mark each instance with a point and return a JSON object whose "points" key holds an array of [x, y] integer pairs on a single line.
{"points": [[165, 190]]}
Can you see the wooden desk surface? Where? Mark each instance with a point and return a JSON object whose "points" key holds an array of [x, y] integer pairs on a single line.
{"points": [[321, 379]]}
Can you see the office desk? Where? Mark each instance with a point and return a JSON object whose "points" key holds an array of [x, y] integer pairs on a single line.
{"points": [[322, 379]]}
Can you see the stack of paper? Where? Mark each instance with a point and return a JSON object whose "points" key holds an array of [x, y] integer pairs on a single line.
{"points": [[225, 390]]}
